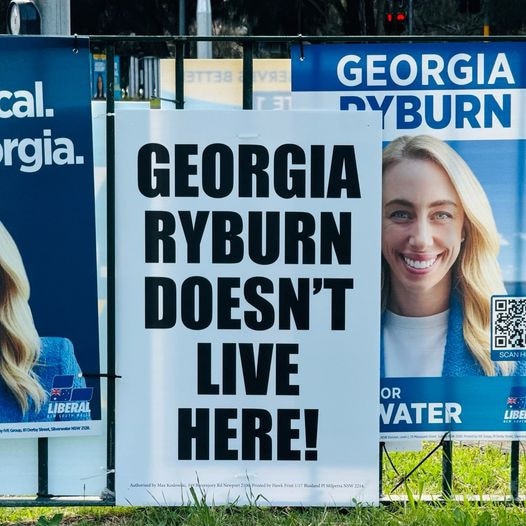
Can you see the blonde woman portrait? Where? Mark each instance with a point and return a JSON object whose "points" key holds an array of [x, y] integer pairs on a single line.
{"points": [[34, 371], [439, 264]]}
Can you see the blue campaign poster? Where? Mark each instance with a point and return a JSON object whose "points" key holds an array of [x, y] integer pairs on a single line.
{"points": [[47, 210], [98, 77], [470, 96]]}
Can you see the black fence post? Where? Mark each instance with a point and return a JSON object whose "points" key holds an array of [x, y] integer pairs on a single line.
{"points": [[179, 74], [447, 468], [110, 233], [514, 471], [248, 74], [381, 470], [43, 471]]}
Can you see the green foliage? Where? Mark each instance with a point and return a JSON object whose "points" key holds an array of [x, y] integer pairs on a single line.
{"points": [[53, 521], [479, 470], [449, 513]]}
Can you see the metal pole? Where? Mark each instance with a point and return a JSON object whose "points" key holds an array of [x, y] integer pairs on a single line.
{"points": [[486, 7], [55, 16], [204, 28], [447, 468], [43, 465], [248, 75], [179, 75], [110, 233], [182, 17], [381, 470], [514, 471]]}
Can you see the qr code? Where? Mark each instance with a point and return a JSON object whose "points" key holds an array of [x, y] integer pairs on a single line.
{"points": [[508, 322]]}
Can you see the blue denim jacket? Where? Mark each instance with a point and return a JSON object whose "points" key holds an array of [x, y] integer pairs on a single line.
{"points": [[458, 360], [56, 358]]}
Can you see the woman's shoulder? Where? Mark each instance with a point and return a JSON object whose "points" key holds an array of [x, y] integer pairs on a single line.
{"points": [[58, 371], [520, 369], [56, 358], [54, 347]]}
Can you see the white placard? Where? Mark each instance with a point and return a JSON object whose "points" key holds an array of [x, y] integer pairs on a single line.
{"points": [[248, 285]]}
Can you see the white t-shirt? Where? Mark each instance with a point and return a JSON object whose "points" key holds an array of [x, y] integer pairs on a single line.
{"points": [[414, 346]]}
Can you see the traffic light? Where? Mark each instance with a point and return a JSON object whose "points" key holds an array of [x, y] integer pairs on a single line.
{"points": [[389, 23], [395, 17], [401, 18]]}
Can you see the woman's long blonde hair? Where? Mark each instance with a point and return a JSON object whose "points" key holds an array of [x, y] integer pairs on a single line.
{"points": [[477, 273], [19, 340]]}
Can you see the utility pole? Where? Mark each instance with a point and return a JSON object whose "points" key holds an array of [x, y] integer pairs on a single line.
{"points": [[204, 28], [486, 7], [56, 16], [182, 17]]}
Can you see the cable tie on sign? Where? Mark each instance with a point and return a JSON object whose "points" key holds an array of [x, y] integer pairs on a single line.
{"points": [[75, 47], [302, 54], [165, 99]]}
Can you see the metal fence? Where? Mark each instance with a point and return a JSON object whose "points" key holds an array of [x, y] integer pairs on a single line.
{"points": [[248, 44]]}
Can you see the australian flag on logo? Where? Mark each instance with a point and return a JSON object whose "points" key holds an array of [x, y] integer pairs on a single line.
{"points": [[517, 398], [61, 388]]}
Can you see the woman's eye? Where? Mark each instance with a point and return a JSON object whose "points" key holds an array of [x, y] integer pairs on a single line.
{"points": [[441, 216], [399, 214]]}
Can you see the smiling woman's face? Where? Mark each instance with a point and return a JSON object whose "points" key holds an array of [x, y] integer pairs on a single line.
{"points": [[422, 230]]}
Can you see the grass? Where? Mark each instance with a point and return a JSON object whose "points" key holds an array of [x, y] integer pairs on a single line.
{"points": [[418, 514], [479, 470]]}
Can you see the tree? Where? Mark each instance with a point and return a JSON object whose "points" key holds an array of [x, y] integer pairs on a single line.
{"points": [[309, 17], [290, 17], [507, 17]]}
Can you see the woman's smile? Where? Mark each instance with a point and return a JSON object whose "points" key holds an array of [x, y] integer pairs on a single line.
{"points": [[422, 229], [419, 263]]}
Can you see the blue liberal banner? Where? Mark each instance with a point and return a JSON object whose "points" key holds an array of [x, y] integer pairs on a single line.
{"points": [[454, 90], [453, 344], [428, 407], [47, 238]]}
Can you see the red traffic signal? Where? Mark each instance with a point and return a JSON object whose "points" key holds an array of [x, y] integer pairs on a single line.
{"points": [[394, 23]]}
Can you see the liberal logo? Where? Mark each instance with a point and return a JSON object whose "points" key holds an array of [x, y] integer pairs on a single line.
{"points": [[516, 405], [66, 400]]}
